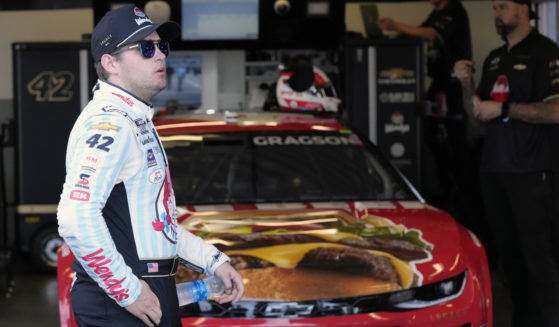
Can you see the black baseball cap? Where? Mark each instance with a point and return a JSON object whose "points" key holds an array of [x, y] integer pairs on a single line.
{"points": [[533, 15], [126, 25]]}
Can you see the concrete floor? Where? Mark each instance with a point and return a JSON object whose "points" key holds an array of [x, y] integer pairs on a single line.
{"points": [[34, 301]]}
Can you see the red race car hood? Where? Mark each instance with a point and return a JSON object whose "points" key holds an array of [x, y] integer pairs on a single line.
{"points": [[300, 251]]}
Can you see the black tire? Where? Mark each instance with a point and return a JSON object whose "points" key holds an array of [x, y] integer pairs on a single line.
{"points": [[45, 247]]}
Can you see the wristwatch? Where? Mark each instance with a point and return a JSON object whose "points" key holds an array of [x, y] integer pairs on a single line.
{"points": [[505, 108]]}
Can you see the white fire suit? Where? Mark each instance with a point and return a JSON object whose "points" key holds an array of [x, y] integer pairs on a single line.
{"points": [[117, 209]]}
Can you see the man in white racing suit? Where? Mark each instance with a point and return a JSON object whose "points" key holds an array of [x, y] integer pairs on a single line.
{"points": [[117, 208]]}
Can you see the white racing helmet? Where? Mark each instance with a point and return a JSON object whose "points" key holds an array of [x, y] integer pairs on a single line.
{"points": [[293, 92]]}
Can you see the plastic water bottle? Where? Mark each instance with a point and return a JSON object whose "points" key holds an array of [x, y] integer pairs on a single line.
{"points": [[199, 290]]}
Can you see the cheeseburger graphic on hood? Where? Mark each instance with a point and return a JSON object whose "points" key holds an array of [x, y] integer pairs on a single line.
{"points": [[312, 255]]}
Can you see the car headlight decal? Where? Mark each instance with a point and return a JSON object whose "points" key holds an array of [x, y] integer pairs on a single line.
{"points": [[432, 294]]}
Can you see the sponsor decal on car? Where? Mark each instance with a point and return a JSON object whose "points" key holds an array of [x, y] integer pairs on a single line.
{"points": [[371, 256], [304, 140], [307, 120]]}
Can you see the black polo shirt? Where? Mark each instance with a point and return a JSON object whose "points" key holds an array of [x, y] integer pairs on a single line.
{"points": [[452, 44], [531, 69]]}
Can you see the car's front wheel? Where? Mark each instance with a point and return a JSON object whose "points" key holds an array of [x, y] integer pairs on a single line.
{"points": [[45, 245]]}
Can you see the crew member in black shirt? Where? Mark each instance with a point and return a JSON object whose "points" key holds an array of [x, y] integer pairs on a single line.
{"points": [[518, 98], [445, 136]]}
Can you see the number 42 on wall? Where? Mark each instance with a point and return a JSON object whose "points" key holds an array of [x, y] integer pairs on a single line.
{"points": [[52, 86]]}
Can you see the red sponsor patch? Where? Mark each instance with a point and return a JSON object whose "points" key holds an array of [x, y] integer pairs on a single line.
{"points": [[90, 161], [79, 195], [500, 92], [126, 100], [99, 263], [138, 12]]}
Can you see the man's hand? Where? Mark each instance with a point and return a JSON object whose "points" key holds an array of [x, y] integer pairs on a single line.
{"points": [[487, 110], [146, 307], [464, 69], [386, 23], [234, 287]]}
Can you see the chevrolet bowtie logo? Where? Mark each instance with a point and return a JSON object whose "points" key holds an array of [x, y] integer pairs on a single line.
{"points": [[105, 127], [396, 73]]}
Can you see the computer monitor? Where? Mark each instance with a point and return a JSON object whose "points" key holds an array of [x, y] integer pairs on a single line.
{"points": [[184, 83], [213, 20], [369, 14], [192, 80]]}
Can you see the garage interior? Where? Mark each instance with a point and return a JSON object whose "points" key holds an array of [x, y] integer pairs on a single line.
{"points": [[29, 293]]}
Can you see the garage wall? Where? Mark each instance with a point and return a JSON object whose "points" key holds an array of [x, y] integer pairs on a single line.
{"points": [[484, 37], [38, 25], [28, 26], [549, 14], [71, 24]]}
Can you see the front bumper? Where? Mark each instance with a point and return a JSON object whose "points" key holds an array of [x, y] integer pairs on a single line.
{"points": [[456, 301]]}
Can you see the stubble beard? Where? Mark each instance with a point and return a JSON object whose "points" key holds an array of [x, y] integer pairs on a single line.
{"points": [[503, 29]]}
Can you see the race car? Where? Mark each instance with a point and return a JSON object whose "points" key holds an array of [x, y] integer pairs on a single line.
{"points": [[322, 227]]}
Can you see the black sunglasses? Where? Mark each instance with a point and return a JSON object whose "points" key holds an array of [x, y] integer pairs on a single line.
{"points": [[147, 48]]}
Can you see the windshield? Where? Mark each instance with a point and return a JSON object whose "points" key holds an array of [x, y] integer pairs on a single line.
{"points": [[293, 166]]}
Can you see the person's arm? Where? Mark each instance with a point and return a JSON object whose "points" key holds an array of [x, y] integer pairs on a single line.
{"points": [[463, 69], [536, 113], [546, 77], [539, 112], [235, 288], [546, 111], [199, 255], [95, 157], [146, 307], [205, 257], [389, 24]]}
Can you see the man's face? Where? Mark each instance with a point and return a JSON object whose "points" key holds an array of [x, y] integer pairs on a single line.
{"points": [[144, 77], [506, 14]]}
